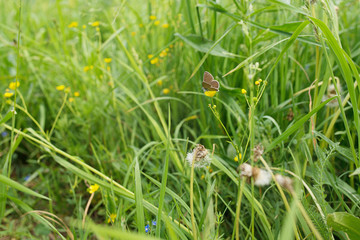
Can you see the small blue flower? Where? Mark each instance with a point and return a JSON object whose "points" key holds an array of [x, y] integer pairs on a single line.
{"points": [[147, 228], [4, 133], [153, 222], [27, 177]]}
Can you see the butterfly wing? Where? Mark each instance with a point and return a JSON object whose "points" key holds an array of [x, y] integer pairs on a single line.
{"points": [[208, 78]]}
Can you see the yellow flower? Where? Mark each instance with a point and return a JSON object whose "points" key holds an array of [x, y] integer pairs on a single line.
{"points": [[71, 99], [260, 80], [210, 170], [8, 94], [84, 26], [14, 85], [159, 83], [108, 68], [214, 106], [86, 68], [257, 83], [163, 53], [97, 29], [150, 56], [237, 158], [133, 33], [93, 188], [165, 25], [73, 25], [67, 90], [167, 49], [156, 22], [60, 87], [95, 24], [76, 94], [91, 67], [112, 218], [152, 17], [166, 91], [243, 91], [202, 176], [107, 60], [171, 46], [154, 61], [210, 93]]}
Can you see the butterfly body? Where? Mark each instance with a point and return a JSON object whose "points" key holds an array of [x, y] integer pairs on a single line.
{"points": [[209, 84]]}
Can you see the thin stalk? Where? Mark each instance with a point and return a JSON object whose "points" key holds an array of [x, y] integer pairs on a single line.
{"points": [[238, 206], [57, 116], [192, 197]]}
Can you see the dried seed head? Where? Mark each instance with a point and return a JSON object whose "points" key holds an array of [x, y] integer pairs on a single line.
{"points": [[285, 182], [200, 156], [246, 170], [261, 177], [258, 152]]}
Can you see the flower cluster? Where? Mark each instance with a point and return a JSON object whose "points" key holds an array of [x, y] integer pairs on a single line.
{"points": [[9, 92], [68, 90]]}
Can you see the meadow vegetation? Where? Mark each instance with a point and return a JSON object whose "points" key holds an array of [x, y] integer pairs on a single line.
{"points": [[102, 110]]}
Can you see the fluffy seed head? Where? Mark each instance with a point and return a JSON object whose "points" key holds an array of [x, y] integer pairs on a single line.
{"points": [[200, 156]]}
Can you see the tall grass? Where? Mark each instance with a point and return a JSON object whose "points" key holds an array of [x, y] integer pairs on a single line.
{"points": [[110, 96]]}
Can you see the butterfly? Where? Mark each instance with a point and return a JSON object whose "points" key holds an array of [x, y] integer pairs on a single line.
{"points": [[209, 84]]}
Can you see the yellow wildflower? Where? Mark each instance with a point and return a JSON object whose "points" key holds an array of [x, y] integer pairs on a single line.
{"points": [[166, 91], [91, 67], [95, 24], [163, 53], [152, 17], [202, 176], [243, 91], [154, 61], [107, 60], [156, 22], [76, 94], [150, 56], [73, 25], [84, 26], [260, 80], [14, 85], [8, 94], [159, 83], [237, 158], [93, 188], [71, 99], [210, 170], [214, 106], [112, 218], [165, 25], [67, 90], [97, 29], [210, 93], [60, 87], [108, 68], [171, 46], [257, 83], [133, 33], [86, 68], [167, 49]]}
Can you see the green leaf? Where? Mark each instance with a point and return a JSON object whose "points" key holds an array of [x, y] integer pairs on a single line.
{"points": [[6, 118], [356, 172], [204, 45], [346, 222], [296, 125], [8, 181], [139, 199]]}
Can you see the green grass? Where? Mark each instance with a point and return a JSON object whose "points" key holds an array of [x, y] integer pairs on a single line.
{"points": [[128, 124]]}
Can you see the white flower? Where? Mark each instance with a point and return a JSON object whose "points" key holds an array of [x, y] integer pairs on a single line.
{"points": [[201, 159]]}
